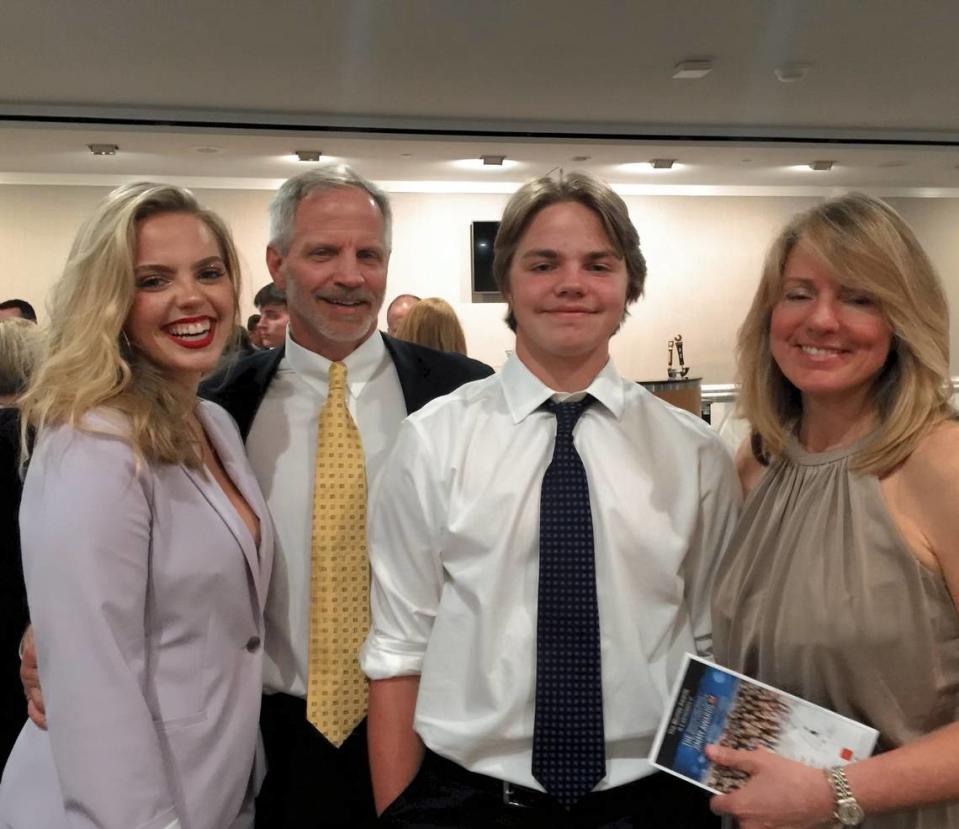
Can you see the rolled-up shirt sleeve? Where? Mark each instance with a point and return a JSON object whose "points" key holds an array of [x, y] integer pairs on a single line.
{"points": [[406, 525]]}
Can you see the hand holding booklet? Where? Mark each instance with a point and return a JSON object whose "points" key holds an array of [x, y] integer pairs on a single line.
{"points": [[711, 704]]}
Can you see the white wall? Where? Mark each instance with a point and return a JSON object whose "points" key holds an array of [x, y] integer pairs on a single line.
{"points": [[704, 255], [38, 222]]}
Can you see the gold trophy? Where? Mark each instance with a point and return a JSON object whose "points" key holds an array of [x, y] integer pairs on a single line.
{"points": [[680, 389], [682, 369]]}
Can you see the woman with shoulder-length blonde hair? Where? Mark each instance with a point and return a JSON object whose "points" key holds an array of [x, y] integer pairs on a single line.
{"points": [[146, 542], [433, 322], [840, 583]]}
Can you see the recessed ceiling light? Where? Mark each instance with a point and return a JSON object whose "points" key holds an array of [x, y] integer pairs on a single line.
{"points": [[579, 159], [662, 163], [103, 149], [692, 70], [821, 166], [406, 155], [308, 155], [647, 168], [480, 164], [791, 72], [493, 160], [208, 150]]}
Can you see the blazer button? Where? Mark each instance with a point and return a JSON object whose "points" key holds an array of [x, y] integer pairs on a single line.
{"points": [[253, 644]]}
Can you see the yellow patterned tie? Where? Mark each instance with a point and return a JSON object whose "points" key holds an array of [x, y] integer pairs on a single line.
{"points": [[339, 580]]}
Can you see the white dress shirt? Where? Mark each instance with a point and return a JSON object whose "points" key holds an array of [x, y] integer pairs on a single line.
{"points": [[455, 558], [282, 450]]}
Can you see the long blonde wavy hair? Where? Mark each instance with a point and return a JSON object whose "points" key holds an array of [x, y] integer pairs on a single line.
{"points": [[869, 248], [87, 360], [433, 322]]}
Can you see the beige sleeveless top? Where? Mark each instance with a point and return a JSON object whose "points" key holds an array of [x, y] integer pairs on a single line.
{"points": [[818, 595]]}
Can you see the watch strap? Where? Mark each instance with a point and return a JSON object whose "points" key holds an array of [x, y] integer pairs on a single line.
{"points": [[842, 796]]}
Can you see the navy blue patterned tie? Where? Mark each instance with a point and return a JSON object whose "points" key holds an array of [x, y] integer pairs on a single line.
{"points": [[569, 751]]}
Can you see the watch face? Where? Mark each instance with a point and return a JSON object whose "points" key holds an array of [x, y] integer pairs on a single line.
{"points": [[849, 813]]}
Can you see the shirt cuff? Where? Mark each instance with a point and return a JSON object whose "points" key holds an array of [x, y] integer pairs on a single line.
{"points": [[383, 658]]}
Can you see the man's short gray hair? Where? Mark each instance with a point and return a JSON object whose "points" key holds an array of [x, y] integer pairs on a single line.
{"points": [[294, 190]]}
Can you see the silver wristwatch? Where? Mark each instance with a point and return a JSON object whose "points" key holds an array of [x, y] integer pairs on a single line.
{"points": [[847, 812]]}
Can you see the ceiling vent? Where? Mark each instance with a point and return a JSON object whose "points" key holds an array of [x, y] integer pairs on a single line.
{"points": [[103, 149], [692, 70], [791, 72]]}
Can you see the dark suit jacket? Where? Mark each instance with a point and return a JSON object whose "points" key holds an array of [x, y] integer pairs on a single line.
{"points": [[423, 372], [13, 595]]}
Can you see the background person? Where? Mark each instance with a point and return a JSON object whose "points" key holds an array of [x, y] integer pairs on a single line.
{"points": [[149, 647], [433, 322], [274, 317], [14, 308], [19, 350], [840, 583], [397, 311], [252, 332]]}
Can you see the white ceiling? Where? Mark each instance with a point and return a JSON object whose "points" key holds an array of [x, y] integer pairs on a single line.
{"points": [[405, 88]]}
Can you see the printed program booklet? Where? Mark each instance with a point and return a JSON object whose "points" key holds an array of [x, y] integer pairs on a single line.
{"points": [[711, 704]]}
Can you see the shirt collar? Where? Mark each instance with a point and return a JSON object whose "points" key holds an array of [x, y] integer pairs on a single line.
{"points": [[361, 364], [525, 392]]}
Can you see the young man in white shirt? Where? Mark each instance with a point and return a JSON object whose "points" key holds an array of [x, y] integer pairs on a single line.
{"points": [[465, 699]]}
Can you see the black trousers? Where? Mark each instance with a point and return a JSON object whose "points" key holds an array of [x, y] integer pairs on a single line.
{"points": [[444, 794], [309, 782]]}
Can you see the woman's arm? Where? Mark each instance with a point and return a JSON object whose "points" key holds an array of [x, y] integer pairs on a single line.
{"points": [[750, 470], [784, 793], [86, 522]]}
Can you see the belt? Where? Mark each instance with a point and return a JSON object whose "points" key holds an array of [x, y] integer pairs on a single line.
{"points": [[523, 797], [512, 794]]}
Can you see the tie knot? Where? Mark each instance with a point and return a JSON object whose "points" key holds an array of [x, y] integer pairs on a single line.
{"points": [[337, 381], [568, 413]]}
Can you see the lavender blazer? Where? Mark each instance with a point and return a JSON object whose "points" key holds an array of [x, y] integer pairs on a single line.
{"points": [[146, 593]]}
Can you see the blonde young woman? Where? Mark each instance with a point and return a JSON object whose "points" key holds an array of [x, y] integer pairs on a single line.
{"points": [[841, 582], [146, 543], [433, 322]]}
